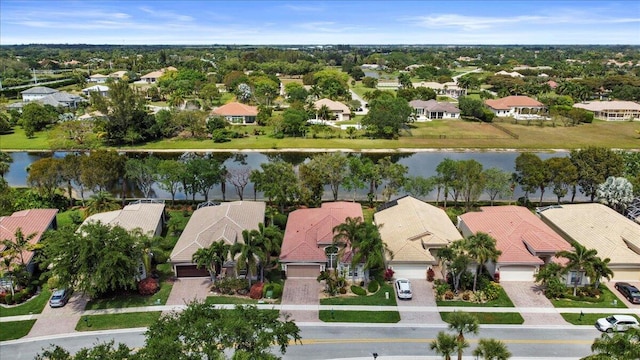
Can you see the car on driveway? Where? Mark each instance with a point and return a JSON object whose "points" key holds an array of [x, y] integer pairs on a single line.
{"points": [[617, 323], [59, 298], [403, 289], [629, 291]]}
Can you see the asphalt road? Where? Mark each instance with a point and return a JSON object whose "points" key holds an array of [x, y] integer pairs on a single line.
{"points": [[325, 341]]}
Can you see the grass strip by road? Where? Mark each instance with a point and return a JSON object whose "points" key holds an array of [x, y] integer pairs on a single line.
{"points": [[117, 321], [15, 329], [502, 301], [223, 299], [586, 319], [607, 299], [132, 299], [359, 316], [377, 299], [33, 306], [491, 318]]}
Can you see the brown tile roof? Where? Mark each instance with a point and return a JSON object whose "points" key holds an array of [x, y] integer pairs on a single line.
{"points": [[236, 109], [509, 102], [29, 221], [310, 230], [515, 229]]}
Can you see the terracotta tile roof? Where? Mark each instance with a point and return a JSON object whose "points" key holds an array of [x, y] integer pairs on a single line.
{"points": [[411, 223], [309, 231], [519, 233], [509, 102], [235, 109], [29, 221]]}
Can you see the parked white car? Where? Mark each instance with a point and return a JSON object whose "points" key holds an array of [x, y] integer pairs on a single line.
{"points": [[403, 289], [617, 323]]}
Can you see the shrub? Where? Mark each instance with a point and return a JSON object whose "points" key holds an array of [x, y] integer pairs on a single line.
{"points": [[2, 298], [358, 290], [342, 291], [441, 290], [388, 274], [280, 220], [8, 299], [361, 283], [555, 289], [275, 288], [466, 295], [373, 286], [492, 291], [430, 275], [148, 286], [17, 297], [256, 291], [231, 286], [448, 295], [438, 282]]}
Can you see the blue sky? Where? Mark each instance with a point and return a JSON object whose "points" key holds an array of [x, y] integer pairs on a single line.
{"points": [[320, 22]]}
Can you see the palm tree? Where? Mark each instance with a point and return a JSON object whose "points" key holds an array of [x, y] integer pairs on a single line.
{"points": [[548, 272], [619, 346], [348, 235], [99, 202], [17, 247], [149, 246], [600, 269], [580, 260], [462, 323], [445, 345], [324, 113], [269, 239], [482, 248], [250, 253], [212, 258], [491, 349], [371, 249]]}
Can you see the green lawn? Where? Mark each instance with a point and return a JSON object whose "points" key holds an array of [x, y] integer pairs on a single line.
{"points": [[19, 141], [15, 329], [33, 306], [117, 321], [491, 318], [502, 301], [229, 300], [132, 299], [586, 319], [64, 218], [377, 299], [359, 316], [607, 301]]}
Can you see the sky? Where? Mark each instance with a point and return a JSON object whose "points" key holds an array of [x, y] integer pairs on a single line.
{"points": [[205, 22]]}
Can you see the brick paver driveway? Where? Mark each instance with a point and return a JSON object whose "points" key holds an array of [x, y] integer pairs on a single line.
{"points": [[185, 290], [423, 296], [302, 292], [526, 294], [611, 286], [59, 320]]}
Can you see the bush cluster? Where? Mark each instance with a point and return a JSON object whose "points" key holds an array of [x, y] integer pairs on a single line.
{"points": [[373, 286], [275, 288], [358, 290], [231, 286]]}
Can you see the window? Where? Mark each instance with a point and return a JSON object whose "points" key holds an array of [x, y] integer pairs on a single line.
{"points": [[575, 277], [332, 256]]}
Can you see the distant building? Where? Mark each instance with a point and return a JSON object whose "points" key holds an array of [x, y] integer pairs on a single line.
{"points": [[103, 90], [611, 110], [450, 89], [98, 78], [48, 96], [431, 110], [516, 106], [237, 113], [339, 110]]}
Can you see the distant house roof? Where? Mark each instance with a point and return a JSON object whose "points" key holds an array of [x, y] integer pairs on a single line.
{"points": [[158, 73], [608, 105], [309, 231], [39, 90], [235, 109], [29, 221], [145, 216], [436, 85], [506, 73], [513, 101], [99, 88], [598, 227], [60, 98], [411, 227], [98, 76], [334, 106], [519, 233], [211, 224], [432, 105], [118, 74]]}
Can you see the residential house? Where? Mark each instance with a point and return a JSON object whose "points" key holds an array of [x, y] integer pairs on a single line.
{"points": [[33, 221], [614, 110], [431, 109], [118, 75], [237, 113], [307, 247], [48, 96], [98, 78], [102, 90], [36, 93], [597, 226], [210, 223], [414, 231], [338, 110], [526, 242], [517, 106], [145, 215], [450, 89], [512, 74], [152, 77]]}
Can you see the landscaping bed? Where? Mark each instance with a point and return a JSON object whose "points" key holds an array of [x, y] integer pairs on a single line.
{"points": [[604, 299], [31, 306], [497, 298], [379, 298], [132, 299]]}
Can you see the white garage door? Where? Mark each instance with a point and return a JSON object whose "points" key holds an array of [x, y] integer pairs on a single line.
{"points": [[626, 275], [410, 271], [516, 273]]}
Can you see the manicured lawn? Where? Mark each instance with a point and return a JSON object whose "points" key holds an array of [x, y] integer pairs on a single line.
{"points": [[377, 299], [117, 321], [15, 329], [586, 319], [359, 316], [19, 141], [502, 301], [607, 301], [132, 299], [491, 318], [230, 300], [33, 306]]}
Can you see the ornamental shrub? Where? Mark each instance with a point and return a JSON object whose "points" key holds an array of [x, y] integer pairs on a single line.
{"points": [[492, 291], [256, 291], [448, 295], [275, 288], [555, 289], [441, 290], [373, 286], [148, 286], [430, 275], [388, 274], [358, 290]]}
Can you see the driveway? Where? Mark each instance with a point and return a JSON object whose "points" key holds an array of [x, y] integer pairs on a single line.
{"points": [[53, 321], [423, 296], [301, 292], [185, 290], [526, 294], [610, 285]]}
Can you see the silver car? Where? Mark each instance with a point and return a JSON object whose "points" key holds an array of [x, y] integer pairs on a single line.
{"points": [[59, 298], [403, 289], [617, 323]]}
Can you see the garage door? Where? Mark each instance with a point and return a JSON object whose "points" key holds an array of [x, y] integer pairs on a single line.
{"points": [[410, 271], [303, 271], [516, 273], [191, 271], [626, 275]]}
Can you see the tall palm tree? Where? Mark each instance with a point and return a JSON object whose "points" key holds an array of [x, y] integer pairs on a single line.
{"points": [[619, 346], [492, 349], [548, 272], [324, 113], [269, 239], [580, 259], [348, 236], [445, 345], [372, 251], [250, 254], [17, 247], [600, 269], [482, 248], [462, 323], [99, 202], [212, 258]]}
